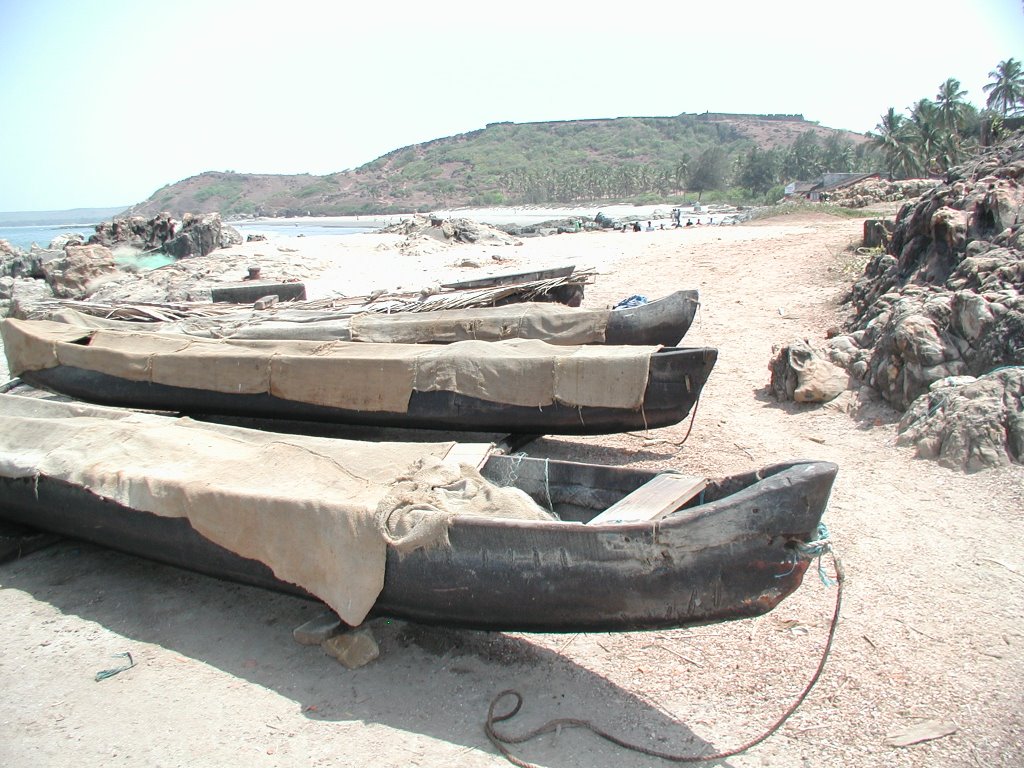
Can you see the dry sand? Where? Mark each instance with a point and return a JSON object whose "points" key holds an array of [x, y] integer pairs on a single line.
{"points": [[931, 628]]}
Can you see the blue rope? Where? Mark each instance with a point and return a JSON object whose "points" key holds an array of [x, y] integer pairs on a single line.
{"points": [[810, 550], [103, 674]]}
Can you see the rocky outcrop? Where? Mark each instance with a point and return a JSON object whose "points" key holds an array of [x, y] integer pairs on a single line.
{"points": [[872, 191], [969, 423], [194, 236], [945, 300], [457, 230], [82, 269], [201, 235]]}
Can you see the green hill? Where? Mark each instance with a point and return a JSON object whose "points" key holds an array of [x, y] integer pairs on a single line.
{"points": [[513, 164]]}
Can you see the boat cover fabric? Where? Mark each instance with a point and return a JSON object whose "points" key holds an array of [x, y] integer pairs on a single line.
{"points": [[307, 507], [515, 321], [339, 374], [409, 513], [551, 322]]}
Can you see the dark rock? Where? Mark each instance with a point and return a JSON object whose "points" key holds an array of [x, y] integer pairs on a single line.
{"points": [[945, 299]]}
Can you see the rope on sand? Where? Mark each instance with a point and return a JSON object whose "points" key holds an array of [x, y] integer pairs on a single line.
{"points": [[103, 674], [500, 740]]}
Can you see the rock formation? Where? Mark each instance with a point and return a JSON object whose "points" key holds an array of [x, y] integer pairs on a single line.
{"points": [[872, 191], [969, 423], [81, 270], [195, 236], [945, 300]]}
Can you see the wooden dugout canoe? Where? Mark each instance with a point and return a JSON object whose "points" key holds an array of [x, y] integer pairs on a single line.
{"points": [[664, 321], [513, 386], [730, 552]]}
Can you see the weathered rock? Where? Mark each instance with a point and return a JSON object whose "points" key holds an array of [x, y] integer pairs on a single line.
{"points": [[877, 232], [318, 629], [199, 236], [456, 230], [26, 293], [969, 423], [871, 191], [804, 375], [60, 242], [946, 298], [354, 649], [83, 268], [195, 236]]}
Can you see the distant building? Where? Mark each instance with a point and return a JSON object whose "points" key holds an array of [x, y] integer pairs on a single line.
{"points": [[818, 191]]}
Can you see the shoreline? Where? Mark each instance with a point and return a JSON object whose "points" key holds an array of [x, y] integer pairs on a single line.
{"points": [[499, 215]]}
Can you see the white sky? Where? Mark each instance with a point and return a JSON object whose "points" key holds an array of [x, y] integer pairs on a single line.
{"points": [[105, 101]]}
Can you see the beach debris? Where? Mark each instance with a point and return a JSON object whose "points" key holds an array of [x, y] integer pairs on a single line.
{"points": [[804, 375], [926, 731], [103, 674]]}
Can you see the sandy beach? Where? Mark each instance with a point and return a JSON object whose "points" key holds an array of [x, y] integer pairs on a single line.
{"points": [[931, 634]]}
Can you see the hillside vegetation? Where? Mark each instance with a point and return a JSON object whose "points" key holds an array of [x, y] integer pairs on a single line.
{"points": [[533, 163]]}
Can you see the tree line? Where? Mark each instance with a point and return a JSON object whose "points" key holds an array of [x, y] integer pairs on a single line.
{"points": [[933, 136], [939, 133]]}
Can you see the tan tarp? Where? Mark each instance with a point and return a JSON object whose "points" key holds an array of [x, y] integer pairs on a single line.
{"points": [[515, 321], [304, 506], [349, 375], [551, 322]]}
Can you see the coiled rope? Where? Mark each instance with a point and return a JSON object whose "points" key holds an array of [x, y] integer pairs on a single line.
{"points": [[500, 740]]}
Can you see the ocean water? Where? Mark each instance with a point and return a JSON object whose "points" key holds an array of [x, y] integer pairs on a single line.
{"points": [[42, 234], [271, 230]]}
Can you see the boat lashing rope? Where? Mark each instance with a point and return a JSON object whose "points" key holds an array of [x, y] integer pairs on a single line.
{"points": [[501, 740]]}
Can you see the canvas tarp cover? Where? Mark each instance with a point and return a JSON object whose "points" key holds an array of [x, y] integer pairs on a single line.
{"points": [[550, 322], [516, 321], [347, 375], [304, 506]]}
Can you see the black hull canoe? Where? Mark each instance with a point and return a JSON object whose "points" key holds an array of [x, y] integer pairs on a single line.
{"points": [[729, 554], [662, 322], [675, 380]]}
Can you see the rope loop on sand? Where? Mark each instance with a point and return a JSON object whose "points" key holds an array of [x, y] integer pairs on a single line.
{"points": [[500, 740]]}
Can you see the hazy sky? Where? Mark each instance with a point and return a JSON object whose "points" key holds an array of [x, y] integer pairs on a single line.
{"points": [[105, 101]]}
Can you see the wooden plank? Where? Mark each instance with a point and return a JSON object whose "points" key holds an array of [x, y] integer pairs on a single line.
{"points": [[512, 278], [474, 454], [658, 497]]}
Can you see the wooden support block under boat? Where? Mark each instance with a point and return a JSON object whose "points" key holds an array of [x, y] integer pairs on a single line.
{"points": [[666, 493], [249, 292]]}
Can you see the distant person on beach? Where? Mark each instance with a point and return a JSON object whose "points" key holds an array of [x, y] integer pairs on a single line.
{"points": [[650, 227], [689, 223], [636, 226]]}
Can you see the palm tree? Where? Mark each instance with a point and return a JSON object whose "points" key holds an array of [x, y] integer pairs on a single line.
{"points": [[1006, 91], [891, 138], [926, 134], [951, 105]]}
